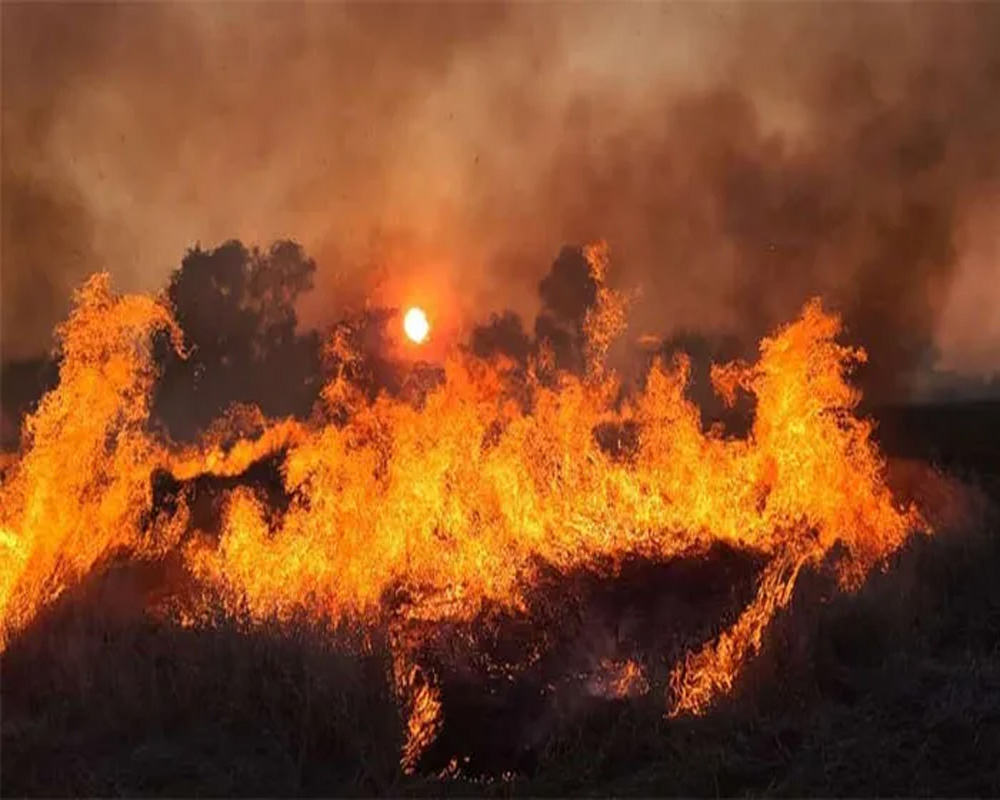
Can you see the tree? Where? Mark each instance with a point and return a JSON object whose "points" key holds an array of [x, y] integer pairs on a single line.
{"points": [[503, 334], [236, 307], [567, 292]]}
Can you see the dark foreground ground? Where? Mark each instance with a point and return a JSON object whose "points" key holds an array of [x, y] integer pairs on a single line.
{"points": [[892, 691]]}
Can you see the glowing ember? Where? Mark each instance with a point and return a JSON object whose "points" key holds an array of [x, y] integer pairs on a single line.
{"points": [[416, 325]]}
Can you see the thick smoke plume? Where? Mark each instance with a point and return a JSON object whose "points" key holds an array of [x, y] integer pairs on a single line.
{"points": [[736, 159]]}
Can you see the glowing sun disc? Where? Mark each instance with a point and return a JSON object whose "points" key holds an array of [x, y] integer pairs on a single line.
{"points": [[416, 325]]}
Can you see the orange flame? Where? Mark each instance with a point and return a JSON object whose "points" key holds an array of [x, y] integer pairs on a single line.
{"points": [[459, 501]]}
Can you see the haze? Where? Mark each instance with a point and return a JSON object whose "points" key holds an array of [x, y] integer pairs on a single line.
{"points": [[737, 158]]}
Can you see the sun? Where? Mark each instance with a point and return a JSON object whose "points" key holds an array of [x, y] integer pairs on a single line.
{"points": [[416, 325]]}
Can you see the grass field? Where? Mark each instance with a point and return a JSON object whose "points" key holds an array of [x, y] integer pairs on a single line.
{"points": [[893, 690]]}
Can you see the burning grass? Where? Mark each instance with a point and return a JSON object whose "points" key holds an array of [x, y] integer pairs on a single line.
{"points": [[450, 527], [892, 690]]}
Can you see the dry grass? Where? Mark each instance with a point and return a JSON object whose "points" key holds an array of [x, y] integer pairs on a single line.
{"points": [[892, 691], [101, 703]]}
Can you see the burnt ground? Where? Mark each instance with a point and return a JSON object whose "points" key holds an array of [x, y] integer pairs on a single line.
{"points": [[894, 690]]}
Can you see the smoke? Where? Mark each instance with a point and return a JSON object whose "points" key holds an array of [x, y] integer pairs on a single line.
{"points": [[737, 159]]}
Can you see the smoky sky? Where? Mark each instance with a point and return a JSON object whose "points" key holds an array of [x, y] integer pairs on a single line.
{"points": [[738, 159]]}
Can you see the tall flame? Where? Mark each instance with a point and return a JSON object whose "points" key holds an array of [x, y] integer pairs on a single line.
{"points": [[81, 488], [460, 499]]}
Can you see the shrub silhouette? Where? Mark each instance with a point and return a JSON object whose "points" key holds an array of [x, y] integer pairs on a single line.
{"points": [[236, 307]]}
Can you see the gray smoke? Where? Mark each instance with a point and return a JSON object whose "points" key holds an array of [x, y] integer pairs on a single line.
{"points": [[738, 159]]}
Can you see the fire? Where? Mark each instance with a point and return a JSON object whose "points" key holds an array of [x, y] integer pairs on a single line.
{"points": [[416, 325], [456, 503]]}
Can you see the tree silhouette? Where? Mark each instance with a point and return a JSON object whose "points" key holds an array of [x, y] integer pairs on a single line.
{"points": [[503, 334], [237, 309], [567, 291]]}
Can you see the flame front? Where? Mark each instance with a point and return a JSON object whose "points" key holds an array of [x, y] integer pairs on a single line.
{"points": [[458, 500]]}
